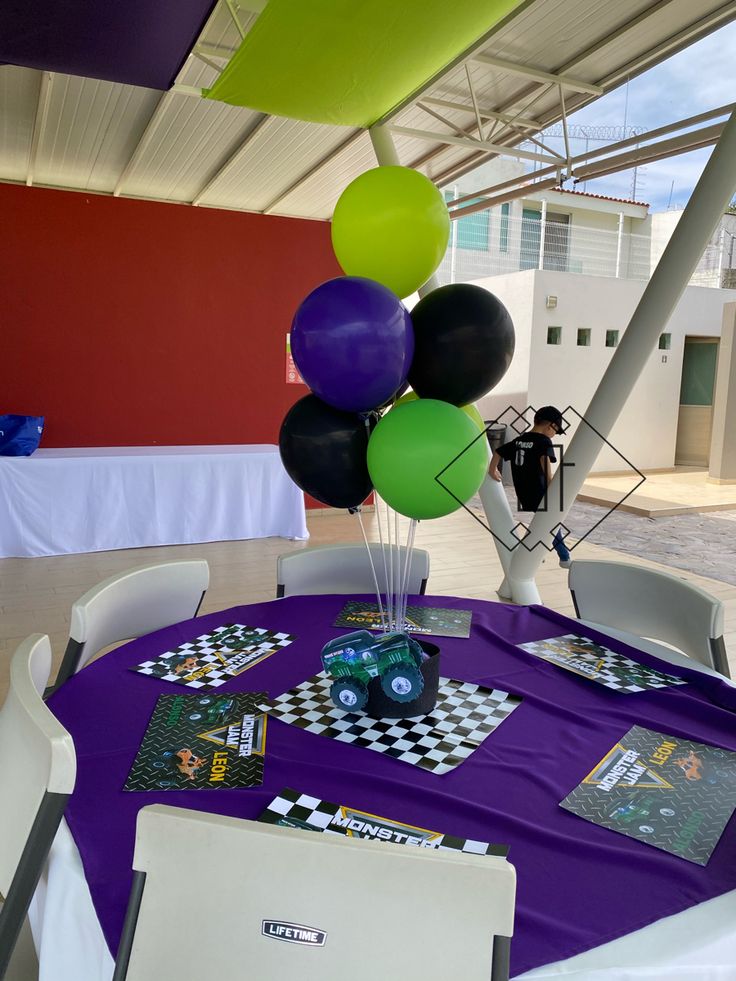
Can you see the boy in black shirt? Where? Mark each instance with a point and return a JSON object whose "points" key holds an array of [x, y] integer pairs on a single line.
{"points": [[531, 455]]}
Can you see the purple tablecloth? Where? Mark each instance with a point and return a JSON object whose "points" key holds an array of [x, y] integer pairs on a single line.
{"points": [[579, 885]]}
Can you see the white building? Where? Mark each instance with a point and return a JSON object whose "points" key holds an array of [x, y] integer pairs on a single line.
{"points": [[571, 268], [567, 329]]}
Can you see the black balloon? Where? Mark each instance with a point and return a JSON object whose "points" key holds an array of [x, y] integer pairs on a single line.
{"points": [[324, 452], [463, 343]]}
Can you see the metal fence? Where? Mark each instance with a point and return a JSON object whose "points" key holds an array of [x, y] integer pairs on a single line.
{"points": [[490, 244]]}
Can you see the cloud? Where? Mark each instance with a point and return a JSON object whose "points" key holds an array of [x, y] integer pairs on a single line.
{"points": [[700, 78]]}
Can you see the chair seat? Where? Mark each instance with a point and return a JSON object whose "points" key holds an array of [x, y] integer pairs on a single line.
{"points": [[668, 654]]}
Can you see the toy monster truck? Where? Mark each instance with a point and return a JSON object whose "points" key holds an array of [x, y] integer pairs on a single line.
{"points": [[353, 659]]}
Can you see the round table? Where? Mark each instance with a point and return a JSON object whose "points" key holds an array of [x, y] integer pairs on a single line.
{"points": [[579, 885]]}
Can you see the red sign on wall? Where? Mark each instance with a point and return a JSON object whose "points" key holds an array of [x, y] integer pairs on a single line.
{"points": [[292, 375]]}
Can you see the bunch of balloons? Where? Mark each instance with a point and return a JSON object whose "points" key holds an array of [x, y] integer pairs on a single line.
{"points": [[358, 348]]}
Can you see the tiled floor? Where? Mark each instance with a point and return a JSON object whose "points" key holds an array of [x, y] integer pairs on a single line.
{"points": [[680, 491]]}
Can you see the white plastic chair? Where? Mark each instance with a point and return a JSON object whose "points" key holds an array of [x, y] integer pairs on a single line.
{"points": [[339, 907], [345, 569], [646, 603], [131, 604], [38, 769]]}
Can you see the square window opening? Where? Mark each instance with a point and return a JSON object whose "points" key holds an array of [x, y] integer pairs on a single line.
{"points": [[665, 341], [554, 335], [584, 337], [611, 338]]}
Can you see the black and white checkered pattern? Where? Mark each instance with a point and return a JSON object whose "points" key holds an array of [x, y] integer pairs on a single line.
{"points": [[223, 662], [319, 815], [600, 664], [465, 714]]}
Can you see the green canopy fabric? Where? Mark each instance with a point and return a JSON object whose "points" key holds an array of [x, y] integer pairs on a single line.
{"points": [[348, 62]]}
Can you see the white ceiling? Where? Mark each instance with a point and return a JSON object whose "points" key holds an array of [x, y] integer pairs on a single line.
{"points": [[69, 132]]}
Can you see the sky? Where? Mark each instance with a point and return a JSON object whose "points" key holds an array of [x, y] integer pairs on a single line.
{"points": [[699, 78]]}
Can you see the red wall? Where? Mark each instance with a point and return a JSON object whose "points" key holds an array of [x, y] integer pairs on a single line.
{"points": [[134, 323]]}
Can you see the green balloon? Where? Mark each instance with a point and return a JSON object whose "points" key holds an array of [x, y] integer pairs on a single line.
{"points": [[411, 445], [469, 409], [391, 224]]}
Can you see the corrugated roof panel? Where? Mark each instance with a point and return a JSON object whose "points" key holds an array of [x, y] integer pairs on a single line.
{"points": [[191, 143], [85, 143], [316, 197], [277, 155], [173, 146], [19, 88]]}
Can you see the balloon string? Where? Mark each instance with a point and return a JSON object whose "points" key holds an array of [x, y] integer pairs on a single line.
{"points": [[383, 551], [397, 580], [373, 570], [407, 565], [390, 593]]}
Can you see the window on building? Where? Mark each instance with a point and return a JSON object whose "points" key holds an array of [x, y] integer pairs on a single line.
{"points": [[531, 238], [470, 231], [554, 335], [665, 342], [503, 235], [584, 337], [611, 338]]}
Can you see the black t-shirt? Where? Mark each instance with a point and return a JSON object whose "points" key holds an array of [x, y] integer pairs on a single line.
{"points": [[525, 454]]}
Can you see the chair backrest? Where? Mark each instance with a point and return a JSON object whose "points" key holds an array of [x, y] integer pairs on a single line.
{"points": [[283, 903], [347, 569], [37, 773], [131, 604], [651, 604]]}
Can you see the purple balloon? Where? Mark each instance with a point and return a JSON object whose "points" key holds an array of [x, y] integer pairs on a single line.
{"points": [[353, 341]]}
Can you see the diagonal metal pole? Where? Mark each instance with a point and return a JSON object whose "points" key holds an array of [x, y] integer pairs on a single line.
{"points": [[709, 200]]}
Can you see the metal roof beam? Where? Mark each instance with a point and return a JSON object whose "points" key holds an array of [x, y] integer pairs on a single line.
{"points": [[179, 89], [538, 76], [143, 143], [700, 28], [206, 60], [295, 185], [434, 137], [223, 51], [521, 121], [231, 160], [519, 192], [602, 151], [233, 9], [39, 123], [443, 119], [684, 143]]}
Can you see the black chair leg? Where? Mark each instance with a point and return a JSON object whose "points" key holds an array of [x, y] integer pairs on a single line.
{"points": [[26, 877]]}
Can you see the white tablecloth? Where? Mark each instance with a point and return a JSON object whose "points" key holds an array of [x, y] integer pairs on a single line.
{"points": [[96, 498]]}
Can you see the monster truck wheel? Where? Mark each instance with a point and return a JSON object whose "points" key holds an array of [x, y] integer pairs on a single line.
{"points": [[402, 682], [349, 694]]}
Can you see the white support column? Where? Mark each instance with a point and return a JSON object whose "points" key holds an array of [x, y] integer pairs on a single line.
{"points": [[383, 147], [453, 242], [386, 155], [542, 234], [619, 243], [721, 252], [709, 200]]}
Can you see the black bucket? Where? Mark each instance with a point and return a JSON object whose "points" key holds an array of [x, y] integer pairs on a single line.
{"points": [[380, 706]]}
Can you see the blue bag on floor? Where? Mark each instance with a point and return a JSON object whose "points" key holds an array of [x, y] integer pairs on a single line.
{"points": [[20, 435]]}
